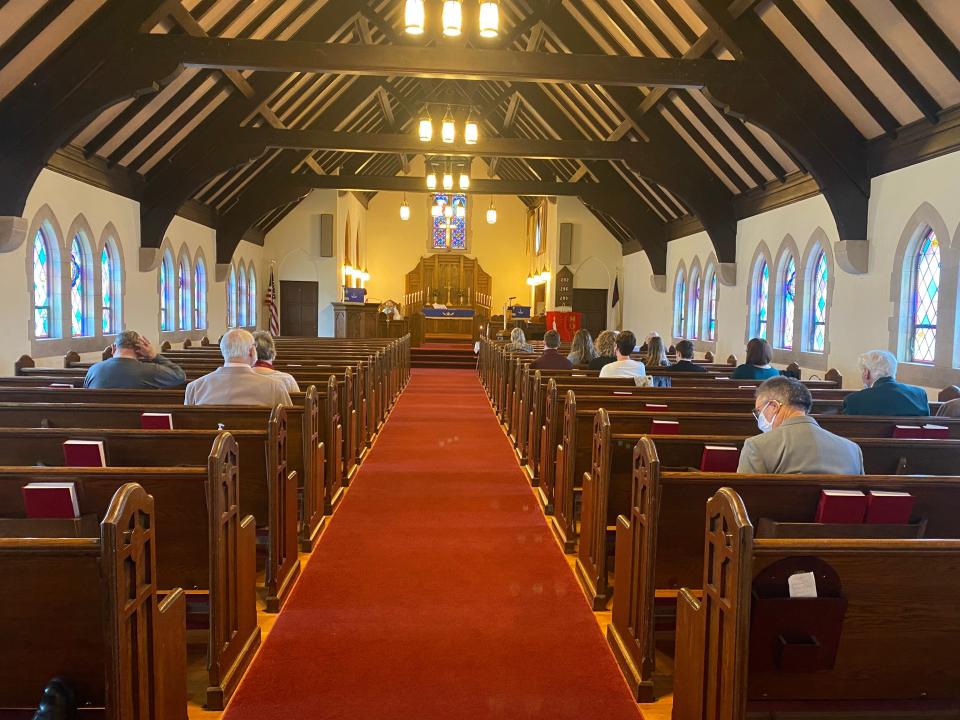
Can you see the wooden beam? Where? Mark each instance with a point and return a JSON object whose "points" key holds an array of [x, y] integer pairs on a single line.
{"points": [[399, 183], [452, 63], [931, 33]]}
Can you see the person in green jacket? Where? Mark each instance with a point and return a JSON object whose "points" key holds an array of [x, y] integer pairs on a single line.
{"points": [[757, 366], [882, 394]]}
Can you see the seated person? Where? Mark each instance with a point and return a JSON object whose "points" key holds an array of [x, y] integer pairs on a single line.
{"points": [[518, 342], [135, 365], [606, 350], [757, 366], [882, 394], [582, 351], [551, 358], [791, 440], [266, 354], [236, 383], [951, 408], [624, 366], [656, 353], [686, 363]]}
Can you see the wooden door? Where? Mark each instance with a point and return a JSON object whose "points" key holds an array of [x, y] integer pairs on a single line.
{"points": [[298, 308], [593, 304]]}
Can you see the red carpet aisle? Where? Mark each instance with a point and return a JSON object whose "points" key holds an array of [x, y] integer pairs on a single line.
{"points": [[437, 591]]}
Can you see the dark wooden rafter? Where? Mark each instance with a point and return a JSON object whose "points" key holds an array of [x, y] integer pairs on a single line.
{"points": [[932, 34], [209, 149], [796, 111], [96, 67], [890, 61]]}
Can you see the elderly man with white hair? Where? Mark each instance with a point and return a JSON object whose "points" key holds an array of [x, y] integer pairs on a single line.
{"points": [[236, 383], [882, 394]]}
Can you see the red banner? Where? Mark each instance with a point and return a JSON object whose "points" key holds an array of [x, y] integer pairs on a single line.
{"points": [[565, 323]]}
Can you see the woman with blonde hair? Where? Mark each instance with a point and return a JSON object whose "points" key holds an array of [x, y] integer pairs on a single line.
{"points": [[656, 354], [518, 342], [606, 350], [582, 350]]}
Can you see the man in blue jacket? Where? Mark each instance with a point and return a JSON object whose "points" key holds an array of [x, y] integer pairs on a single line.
{"points": [[882, 394]]}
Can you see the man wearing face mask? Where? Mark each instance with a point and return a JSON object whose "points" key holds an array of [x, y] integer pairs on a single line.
{"points": [[791, 441]]}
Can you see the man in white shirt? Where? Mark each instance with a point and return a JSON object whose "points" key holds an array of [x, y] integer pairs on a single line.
{"points": [[266, 354], [236, 383], [624, 365]]}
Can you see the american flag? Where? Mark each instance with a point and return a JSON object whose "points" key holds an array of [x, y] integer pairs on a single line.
{"points": [[271, 302]]}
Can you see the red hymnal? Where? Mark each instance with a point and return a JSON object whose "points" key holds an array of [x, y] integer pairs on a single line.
{"points": [[841, 506], [719, 458], [888, 507], [665, 427], [156, 421], [50, 500], [908, 431], [655, 407], [936, 432], [84, 453]]}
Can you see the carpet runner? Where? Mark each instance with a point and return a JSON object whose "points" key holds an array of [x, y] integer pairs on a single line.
{"points": [[437, 590]]}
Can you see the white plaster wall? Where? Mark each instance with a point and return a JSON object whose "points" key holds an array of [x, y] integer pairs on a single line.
{"points": [[861, 310]]}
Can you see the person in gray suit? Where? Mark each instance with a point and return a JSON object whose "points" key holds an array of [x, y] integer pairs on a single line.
{"points": [[791, 441], [236, 383]]}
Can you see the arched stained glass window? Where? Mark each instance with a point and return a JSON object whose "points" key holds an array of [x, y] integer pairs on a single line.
{"points": [[184, 294], [167, 295], [697, 306], [109, 281], [925, 299], [79, 276], [679, 305], [712, 307], [789, 298], [818, 320], [761, 298], [42, 287], [232, 297], [252, 297], [450, 233], [200, 294], [242, 298]]}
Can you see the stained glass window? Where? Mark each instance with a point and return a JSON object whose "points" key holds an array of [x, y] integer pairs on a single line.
{"points": [[107, 281], [42, 287], [679, 305], [252, 295], [183, 288], [166, 293], [79, 271], [200, 294], [232, 298], [821, 277], [712, 307], [450, 232], [762, 296], [926, 294], [242, 298], [789, 302], [697, 307]]}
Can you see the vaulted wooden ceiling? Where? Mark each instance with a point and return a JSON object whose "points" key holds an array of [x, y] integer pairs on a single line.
{"points": [[756, 103]]}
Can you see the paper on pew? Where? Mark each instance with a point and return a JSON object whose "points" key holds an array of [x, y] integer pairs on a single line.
{"points": [[802, 585]]}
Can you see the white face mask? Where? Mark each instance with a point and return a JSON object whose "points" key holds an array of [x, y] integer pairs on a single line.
{"points": [[762, 422]]}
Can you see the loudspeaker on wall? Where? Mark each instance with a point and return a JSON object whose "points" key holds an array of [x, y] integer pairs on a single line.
{"points": [[565, 256], [321, 234]]}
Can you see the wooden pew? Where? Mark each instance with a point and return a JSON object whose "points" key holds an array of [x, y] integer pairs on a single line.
{"points": [[881, 634], [88, 610], [268, 491], [658, 545], [203, 544]]}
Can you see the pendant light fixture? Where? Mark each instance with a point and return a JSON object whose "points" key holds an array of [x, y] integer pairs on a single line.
{"points": [[471, 132], [460, 210], [436, 210], [448, 131], [414, 17], [425, 128], [491, 213], [447, 181], [464, 181], [448, 211], [431, 181], [489, 25], [404, 209], [452, 18]]}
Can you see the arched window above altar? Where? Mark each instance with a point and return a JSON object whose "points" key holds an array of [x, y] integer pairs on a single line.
{"points": [[449, 233]]}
